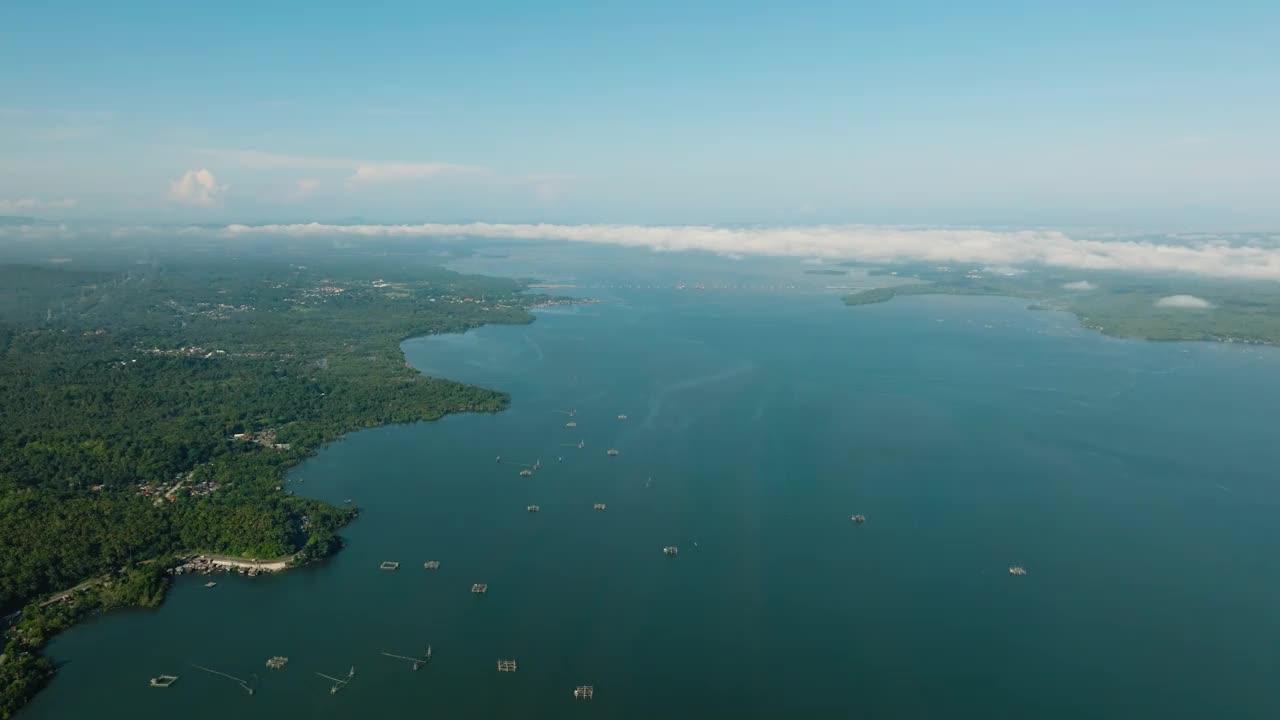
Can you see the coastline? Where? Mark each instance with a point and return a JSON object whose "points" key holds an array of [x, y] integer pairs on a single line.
{"points": [[28, 630], [873, 296]]}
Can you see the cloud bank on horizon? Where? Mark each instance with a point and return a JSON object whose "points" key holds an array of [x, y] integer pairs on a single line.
{"points": [[34, 203], [873, 244]]}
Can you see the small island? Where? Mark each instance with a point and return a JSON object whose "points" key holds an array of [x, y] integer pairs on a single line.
{"points": [[869, 297]]}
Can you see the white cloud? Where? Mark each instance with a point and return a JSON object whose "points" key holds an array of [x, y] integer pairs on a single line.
{"points": [[1183, 301], [390, 172], [866, 243], [305, 187], [31, 203], [362, 172], [1079, 285], [198, 188], [258, 160]]}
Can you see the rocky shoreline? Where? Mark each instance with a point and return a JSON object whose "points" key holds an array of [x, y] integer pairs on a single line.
{"points": [[211, 564]]}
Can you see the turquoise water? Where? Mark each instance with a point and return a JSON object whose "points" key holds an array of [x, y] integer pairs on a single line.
{"points": [[1136, 482]]}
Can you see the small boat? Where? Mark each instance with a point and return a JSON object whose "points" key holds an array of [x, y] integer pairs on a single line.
{"points": [[347, 501], [499, 459], [582, 444], [671, 550], [534, 508], [622, 417], [611, 452], [859, 519], [571, 424], [1017, 570], [526, 472], [210, 584]]}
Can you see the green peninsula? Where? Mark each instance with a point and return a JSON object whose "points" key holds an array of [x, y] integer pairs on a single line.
{"points": [[1119, 304], [151, 410], [869, 297]]}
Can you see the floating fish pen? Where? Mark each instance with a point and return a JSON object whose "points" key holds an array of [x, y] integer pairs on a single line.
{"points": [[671, 550], [534, 508], [431, 564], [163, 680], [506, 666], [859, 519], [526, 472], [1017, 570], [277, 662], [599, 506], [389, 565], [611, 452], [584, 692], [480, 588], [571, 424]]}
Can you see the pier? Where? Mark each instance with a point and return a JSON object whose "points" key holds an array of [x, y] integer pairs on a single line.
{"points": [[506, 666], [242, 683]]}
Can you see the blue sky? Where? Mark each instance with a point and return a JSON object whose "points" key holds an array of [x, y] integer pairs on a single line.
{"points": [[1159, 114]]}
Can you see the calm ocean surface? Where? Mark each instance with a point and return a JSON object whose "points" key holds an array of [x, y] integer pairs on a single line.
{"points": [[1136, 481]]}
